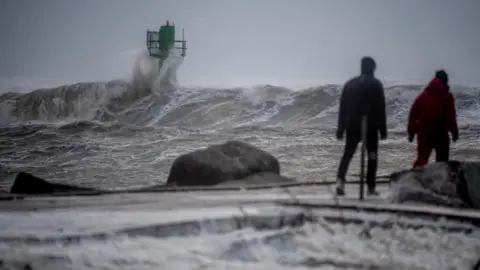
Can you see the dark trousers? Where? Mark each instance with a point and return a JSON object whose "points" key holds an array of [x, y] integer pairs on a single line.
{"points": [[352, 139], [440, 144]]}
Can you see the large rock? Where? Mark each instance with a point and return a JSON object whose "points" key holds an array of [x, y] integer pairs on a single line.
{"points": [[454, 184], [220, 163], [26, 183], [471, 174]]}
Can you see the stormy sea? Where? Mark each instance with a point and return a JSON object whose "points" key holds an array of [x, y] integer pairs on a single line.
{"points": [[126, 133]]}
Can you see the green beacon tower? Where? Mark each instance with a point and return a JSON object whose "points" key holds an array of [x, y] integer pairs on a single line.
{"points": [[159, 43]]}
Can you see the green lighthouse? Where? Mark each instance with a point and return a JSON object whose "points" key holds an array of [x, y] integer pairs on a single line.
{"points": [[159, 43]]}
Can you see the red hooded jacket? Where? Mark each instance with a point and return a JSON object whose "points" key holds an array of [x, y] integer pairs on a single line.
{"points": [[433, 113]]}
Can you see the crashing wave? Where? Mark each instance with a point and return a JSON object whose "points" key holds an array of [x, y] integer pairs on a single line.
{"points": [[153, 97]]}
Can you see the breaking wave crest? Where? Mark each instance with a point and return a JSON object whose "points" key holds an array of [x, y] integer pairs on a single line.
{"points": [[154, 98]]}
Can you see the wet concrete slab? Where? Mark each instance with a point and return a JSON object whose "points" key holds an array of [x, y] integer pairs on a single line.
{"points": [[175, 200]]}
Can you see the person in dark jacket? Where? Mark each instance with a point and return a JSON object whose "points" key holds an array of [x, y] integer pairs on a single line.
{"points": [[362, 95], [431, 118]]}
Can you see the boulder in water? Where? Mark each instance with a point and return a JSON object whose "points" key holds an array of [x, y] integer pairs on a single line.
{"points": [[233, 160], [454, 184], [471, 175], [26, 183]]}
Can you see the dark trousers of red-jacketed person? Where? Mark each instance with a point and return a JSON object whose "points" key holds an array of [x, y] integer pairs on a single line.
{"points": [[425, 147]]}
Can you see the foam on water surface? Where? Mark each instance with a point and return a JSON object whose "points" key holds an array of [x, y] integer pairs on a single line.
{"points": [[137, 240]]}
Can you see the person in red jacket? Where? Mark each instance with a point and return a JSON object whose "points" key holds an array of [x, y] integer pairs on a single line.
{"points": [[432, 117]]}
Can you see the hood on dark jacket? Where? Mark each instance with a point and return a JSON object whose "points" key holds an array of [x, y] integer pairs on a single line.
{"points": [[367, 66]]}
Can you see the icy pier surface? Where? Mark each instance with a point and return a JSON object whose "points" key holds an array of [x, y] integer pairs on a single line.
{"points": [[230, 230]]}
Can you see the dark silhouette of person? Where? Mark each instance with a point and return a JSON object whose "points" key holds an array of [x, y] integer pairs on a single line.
{"points": [[432, 117], [361, 96]]}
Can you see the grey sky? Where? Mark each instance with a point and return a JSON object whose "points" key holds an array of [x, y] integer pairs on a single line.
{"points": [[245, 42]]}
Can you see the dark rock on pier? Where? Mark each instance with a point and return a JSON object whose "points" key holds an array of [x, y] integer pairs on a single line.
{"points": [[454, 183], [220, 163], [26, 183]]}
